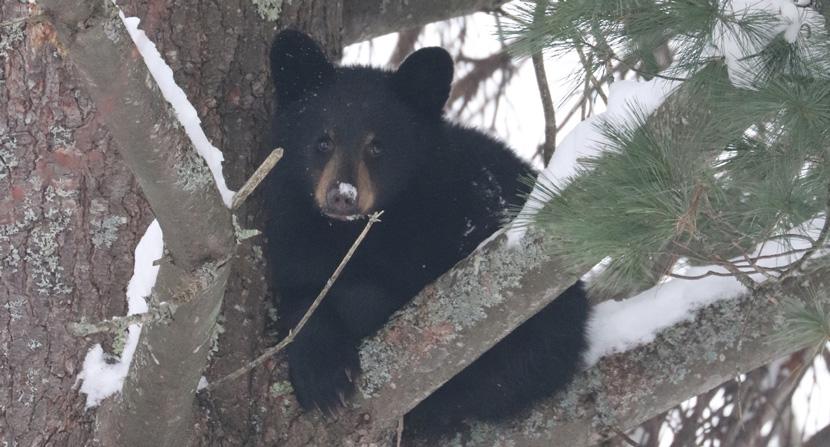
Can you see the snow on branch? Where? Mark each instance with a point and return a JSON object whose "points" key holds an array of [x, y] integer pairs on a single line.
{"points": [[101, 376], [185, 112]]}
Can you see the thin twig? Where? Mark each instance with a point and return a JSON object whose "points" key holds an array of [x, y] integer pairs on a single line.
{"points": [[703, 275], [544, 94], [293, 333], [119, 324], [627, 65], [256, 178], [627, 439], [589, 73], [820, 241]]}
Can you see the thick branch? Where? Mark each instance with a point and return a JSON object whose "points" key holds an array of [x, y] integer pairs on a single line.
{"points": [[174, 179], [725, 339], [364, 19]]}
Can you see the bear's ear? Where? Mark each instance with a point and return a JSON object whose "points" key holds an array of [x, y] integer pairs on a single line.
{"points": [[424, 79], [298, 66]]}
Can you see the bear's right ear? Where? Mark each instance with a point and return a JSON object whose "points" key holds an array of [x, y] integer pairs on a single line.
{"points": [[298, 66], [424, 79]]}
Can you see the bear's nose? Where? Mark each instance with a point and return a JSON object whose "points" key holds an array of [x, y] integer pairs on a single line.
{"points": [[342, 200]]}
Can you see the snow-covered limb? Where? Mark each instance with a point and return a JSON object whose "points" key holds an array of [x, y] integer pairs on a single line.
{"points": [[102, 378], [739, 45], [185, 112], [176, 182]]}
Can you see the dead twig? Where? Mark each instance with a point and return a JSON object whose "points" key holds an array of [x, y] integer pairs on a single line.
{"points": [[293, 333], [120, 324], [257, 177]]}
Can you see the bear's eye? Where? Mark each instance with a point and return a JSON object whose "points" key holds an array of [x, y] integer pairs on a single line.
{"points": [[374, 149], [325, 145]]}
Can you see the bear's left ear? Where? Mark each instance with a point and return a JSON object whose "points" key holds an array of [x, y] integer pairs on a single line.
{"points": [[298, 66], [423, 79]]}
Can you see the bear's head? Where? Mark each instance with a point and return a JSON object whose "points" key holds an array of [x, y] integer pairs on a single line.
{"points": [[357, 136]]}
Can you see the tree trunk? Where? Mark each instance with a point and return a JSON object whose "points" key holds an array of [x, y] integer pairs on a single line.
{"points": [[70, 216]]}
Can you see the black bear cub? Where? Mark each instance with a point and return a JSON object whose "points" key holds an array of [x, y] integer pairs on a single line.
{"points": [[361, 139]]}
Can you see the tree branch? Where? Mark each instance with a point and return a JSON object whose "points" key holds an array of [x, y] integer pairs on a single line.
{"points": [[364, 19], [623, 390]]}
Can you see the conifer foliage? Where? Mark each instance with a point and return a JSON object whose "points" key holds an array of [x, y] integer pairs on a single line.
{"points": [[736, 156]]}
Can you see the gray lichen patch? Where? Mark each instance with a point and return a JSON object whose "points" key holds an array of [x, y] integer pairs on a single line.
{"points": [[61, 136], [43, 250], [10, 35], [114, 28], [193, 174], [374, 355], [281, 388], [672, 359], [15, 309], [451, 306], [104, 231], [483, 283], [270, 9], [8, 158]]}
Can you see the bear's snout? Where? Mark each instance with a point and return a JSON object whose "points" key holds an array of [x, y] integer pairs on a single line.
{"points": [[341, 201]]}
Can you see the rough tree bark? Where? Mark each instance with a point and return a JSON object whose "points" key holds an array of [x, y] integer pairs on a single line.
{"points": [[70, 216]]}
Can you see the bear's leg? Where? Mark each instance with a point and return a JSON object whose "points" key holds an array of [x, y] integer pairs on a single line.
{"points": [[322, 361]]}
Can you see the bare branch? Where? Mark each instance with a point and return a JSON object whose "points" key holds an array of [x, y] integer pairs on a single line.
{"points": [[120, 324], [256, 178], [406, 44], [364, 19]]}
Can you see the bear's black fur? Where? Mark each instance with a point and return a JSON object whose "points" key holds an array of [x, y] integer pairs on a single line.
{"points": [[361, 139]]}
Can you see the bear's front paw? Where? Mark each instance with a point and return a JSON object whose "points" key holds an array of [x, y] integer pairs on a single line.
{"points": [[322, 374]]}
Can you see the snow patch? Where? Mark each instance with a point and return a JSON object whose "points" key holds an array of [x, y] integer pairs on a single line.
{"points": [[738, 45], [163, 75], [618, 326], [103, 374], [348, 190], [587, 140]]}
